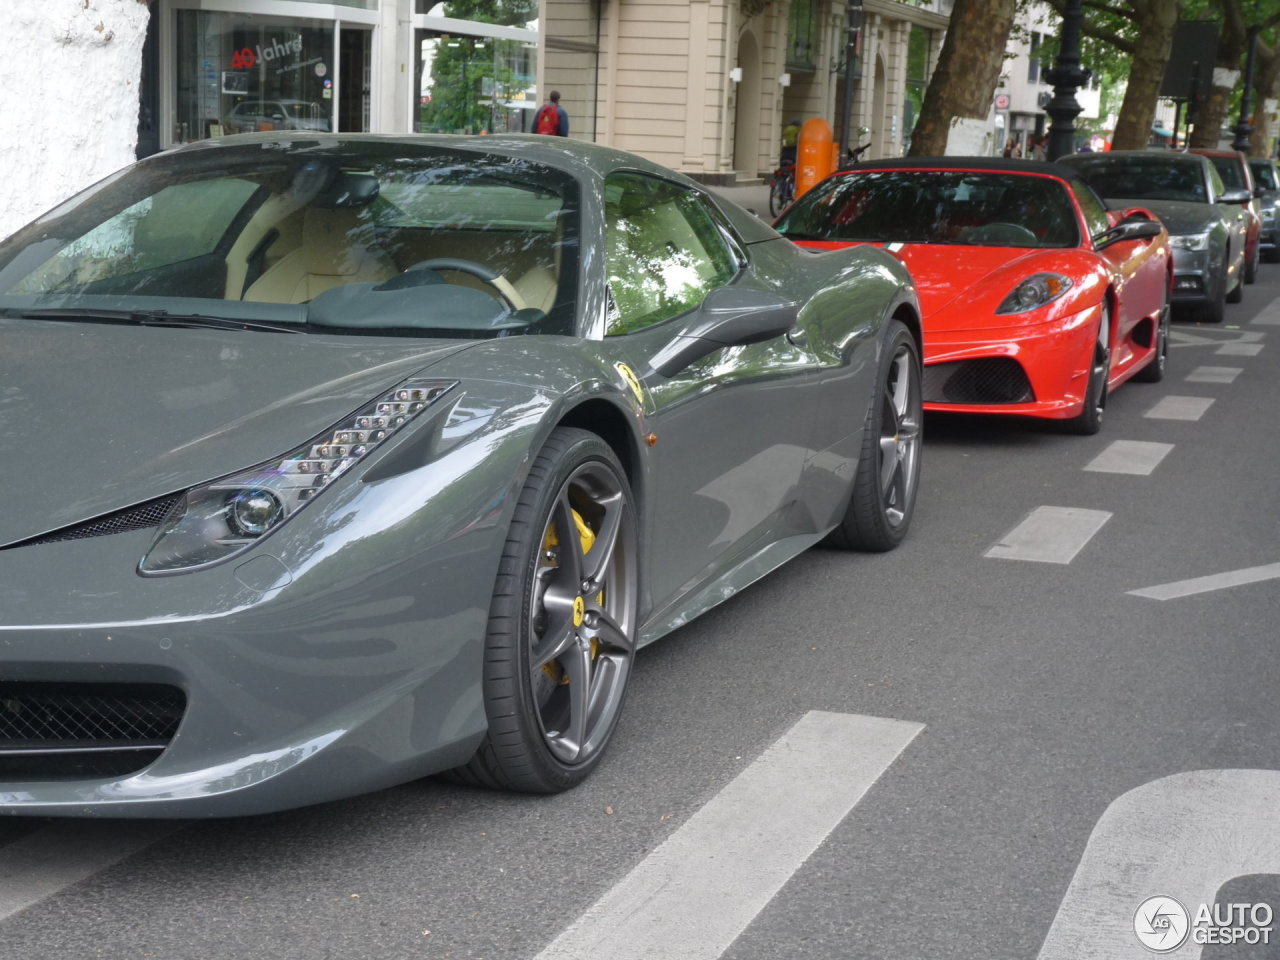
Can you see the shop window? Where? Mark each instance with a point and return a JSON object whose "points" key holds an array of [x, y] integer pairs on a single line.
{"points": [[917, 79], [474, 84], [511, 13], [239, 73]]}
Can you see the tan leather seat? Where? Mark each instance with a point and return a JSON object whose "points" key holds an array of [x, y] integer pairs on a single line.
{"points": [[336, 250]]}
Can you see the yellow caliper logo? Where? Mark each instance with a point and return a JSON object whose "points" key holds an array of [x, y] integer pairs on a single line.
{"points": [[579, 611]]}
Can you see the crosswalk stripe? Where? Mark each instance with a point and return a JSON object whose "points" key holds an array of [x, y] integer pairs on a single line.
{"points": [[1214, 374], [1050, 535], [1239, 350], [1134, 457], [51, 859], [1179, 408], [696, 893]]}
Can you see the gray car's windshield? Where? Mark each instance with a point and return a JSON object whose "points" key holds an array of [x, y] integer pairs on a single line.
{"points": [[367, 238], [976, 208], [1143, 178]]}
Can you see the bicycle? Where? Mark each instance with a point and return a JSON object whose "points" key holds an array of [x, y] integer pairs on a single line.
{"points": [[782, 188]]}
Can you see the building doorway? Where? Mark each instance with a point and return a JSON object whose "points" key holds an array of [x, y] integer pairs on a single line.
{"points": [[355, 78]]}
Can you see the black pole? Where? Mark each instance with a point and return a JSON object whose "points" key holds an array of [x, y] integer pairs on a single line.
{"points": [[1067, 76], [1244, 128], [1177, 120], [852, 64]]}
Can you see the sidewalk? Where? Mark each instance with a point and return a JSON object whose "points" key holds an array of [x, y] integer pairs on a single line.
{"points": [[755, 198]]}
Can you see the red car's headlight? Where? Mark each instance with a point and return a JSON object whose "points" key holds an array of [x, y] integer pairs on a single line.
{"points": [[1035, 291]]}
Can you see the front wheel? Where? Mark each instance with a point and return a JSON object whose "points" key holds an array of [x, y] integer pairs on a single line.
{"points": [[1089, 420], [561, 635], [884, 488]]}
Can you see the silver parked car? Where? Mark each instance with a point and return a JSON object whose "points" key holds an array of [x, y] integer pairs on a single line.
{"points": [[345, 460], [1207, 223], [1266, 177], [252, 116]]}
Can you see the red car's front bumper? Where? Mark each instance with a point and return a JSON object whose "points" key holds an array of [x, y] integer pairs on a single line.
{"points": [[1027, 369]]}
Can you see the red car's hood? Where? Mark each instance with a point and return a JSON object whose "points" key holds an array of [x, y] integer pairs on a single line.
{"points": [[943, 273]]}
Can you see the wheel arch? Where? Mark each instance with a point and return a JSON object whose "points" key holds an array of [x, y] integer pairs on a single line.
{"points": [[611, 425]]}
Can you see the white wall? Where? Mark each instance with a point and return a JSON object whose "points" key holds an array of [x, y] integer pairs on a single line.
{"points": [[69, 105]]}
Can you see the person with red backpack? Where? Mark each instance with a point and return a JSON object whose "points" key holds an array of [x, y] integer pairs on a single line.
{"points": [[551, 118]]}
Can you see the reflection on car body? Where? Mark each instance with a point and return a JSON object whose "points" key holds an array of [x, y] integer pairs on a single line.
{"points": [[361, 458]]}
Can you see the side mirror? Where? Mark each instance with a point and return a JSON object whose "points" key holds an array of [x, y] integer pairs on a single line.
{"points": [[1129, 230], [1237, 196], [728, 317]]}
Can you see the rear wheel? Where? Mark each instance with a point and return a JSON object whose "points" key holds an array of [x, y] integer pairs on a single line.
{"points": [[1251, 268], [562, 622], [1215, 309], [884, 487], [1089, 420], [1154, 371]]}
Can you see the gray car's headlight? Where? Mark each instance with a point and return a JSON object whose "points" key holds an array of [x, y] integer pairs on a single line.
{"points": [[1190, 241], [219, 519], [1035, 291]]}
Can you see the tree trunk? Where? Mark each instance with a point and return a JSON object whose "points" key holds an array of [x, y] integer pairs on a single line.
{"points": [[1226, 74], [968, 69], [1266, 81], [1156, 21]]}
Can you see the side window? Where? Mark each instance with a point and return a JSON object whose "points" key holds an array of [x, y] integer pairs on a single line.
{"points": [[1216, 187], [1094, 210], [664, 252]]}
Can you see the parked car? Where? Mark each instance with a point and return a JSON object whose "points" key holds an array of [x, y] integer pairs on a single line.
{"points": [[360, 458], [1037, 301], [1266, 179], [250, 116], [1234, 169], [1207, 223]]}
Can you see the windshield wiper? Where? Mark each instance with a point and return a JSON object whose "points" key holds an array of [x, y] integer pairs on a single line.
{"points": [[154, 318]]}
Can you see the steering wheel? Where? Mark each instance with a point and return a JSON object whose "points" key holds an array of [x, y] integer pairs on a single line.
{"points": [[1000, 232], [500, 284]]}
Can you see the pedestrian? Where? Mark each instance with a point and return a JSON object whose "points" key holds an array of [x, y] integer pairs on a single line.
{"points": [[1040, 148], [1011, 147], [551, 118], [790, 140]]}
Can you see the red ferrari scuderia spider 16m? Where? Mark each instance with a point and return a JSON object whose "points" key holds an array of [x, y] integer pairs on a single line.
{"points": [[1037, 299]]}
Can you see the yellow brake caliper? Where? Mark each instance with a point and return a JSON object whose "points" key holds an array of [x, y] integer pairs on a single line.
{"points": [[587, 537]]}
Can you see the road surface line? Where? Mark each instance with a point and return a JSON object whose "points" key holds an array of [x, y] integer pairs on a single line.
{"points": [[1216, 581], [1183, 836], [1134, 457], [1270, 316], [1239, 350], [1214, 374], [1050, 535], [53, 858], [695, 894], [1179, 408]]}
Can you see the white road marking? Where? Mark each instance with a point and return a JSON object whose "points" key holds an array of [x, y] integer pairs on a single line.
{"points": [[1135, 457], [1239, 350], [1216, 581], [1183, 836], [1180, 408], [1270, 316], [1214, 374], [695, 894], [55, 857], [1182, 338], [1050, 535]]}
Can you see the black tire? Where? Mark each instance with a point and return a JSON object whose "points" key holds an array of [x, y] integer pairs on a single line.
{"points": [[1251, 268], [560, 640], [780, 194], [1089, 420], [1215, 310], [1271, 255], [1236, 293], [883, 496], [1154, 371]]}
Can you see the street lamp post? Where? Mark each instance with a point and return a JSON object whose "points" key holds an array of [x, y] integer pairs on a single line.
{"points": [[1243, 129], [1067, 76], [854, 26]]}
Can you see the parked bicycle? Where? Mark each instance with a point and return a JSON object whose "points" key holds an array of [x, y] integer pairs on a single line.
{"points": [[782, 189]]}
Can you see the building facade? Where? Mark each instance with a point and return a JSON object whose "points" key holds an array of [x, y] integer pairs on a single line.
{"points": [[703, 86]]}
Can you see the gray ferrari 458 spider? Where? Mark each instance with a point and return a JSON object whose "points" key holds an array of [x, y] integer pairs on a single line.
{"points": [[335, 461]]}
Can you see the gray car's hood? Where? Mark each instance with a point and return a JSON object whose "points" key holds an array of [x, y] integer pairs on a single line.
{"points": [[1178, 217], [98, 417]]}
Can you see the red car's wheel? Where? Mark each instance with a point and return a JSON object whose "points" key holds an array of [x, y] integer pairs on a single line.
{"points": [[1089, 420]]}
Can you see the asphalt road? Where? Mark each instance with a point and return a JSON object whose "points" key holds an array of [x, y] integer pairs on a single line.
{"points": [[1032, 696]]}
